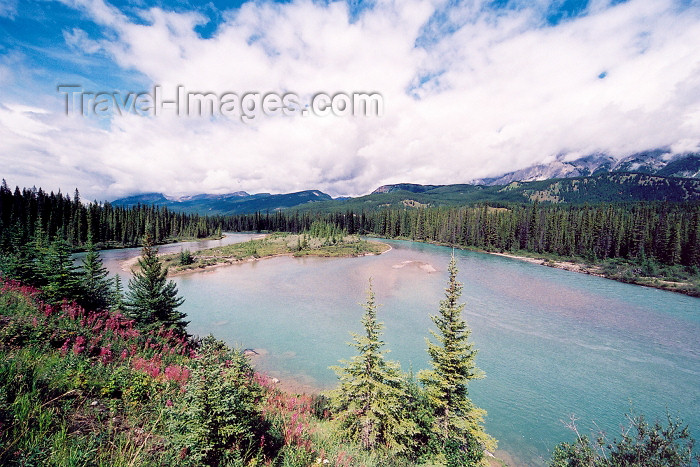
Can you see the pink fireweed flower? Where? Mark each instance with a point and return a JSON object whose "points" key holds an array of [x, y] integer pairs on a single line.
{"points": [[47, 310], [64, 347], [177, 373], [79, 345], [151, 367], [97, 326], [105, 354]]}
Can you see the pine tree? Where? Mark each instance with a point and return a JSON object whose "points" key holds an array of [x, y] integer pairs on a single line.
{"points": [[22, 258], [674, 251], [368, 402], [693, 250], [459, 424], [116, 301], [152, 299], [60, 278], [96, 285]]}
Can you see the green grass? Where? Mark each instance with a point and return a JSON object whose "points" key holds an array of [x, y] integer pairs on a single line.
{"points": [[63, 403], [276, 244], [66, 401]]}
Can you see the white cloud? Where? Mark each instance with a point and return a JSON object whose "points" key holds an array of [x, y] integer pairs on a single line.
{"points": [[8, 9], [79, 40], [506, 92]]}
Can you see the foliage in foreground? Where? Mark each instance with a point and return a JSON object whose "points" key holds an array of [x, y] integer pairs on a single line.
{"points": [[370, 398], [640, 445], [458, 422], [434, 421], [81, 387]]}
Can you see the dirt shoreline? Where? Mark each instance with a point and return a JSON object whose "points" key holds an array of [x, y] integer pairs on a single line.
{"points": [[566, 265], [595, 270], [683, 287]]}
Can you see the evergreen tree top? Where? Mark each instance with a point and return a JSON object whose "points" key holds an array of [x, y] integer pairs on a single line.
{"points": [[152, 299], [369, 397], [453, 366]]}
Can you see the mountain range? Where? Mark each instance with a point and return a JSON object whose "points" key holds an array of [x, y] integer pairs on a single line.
{"points": [[648, 176], [657, 162], [239, 202]]}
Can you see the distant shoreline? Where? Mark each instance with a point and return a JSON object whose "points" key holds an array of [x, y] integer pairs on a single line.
{"points": [[581, 267], [597, 270], [566, 265]]}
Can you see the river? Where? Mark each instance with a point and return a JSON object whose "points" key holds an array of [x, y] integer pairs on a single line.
{"points": [[552, 343]]}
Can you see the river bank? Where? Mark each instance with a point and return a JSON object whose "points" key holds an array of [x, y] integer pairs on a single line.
{"points": [[617, 269], [264, 247]]}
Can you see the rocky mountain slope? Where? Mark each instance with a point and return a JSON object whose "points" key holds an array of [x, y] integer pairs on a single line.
{"points": [[657, 162]]}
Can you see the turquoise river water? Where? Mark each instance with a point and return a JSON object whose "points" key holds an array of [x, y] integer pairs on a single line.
{"points": [[552, 343]]}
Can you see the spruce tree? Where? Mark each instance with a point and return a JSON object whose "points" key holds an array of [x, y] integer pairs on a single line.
{"points": [[693, 250], [152, 299], [459, 424], [96, 285], [60, 279], [369, 399], [22, 260], [116, 301]]}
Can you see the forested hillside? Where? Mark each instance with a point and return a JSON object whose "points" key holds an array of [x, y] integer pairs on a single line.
{"points": [[25, 212], [604, 187], [600, 188], [226, 204]]}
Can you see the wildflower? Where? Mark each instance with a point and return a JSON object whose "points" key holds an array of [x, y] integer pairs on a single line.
{"points": [[64, 347], [79, 345], [105, 354], [177, 373]]}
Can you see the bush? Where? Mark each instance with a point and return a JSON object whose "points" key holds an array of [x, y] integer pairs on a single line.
{"points": [[641, 445], [217, 421], [186, 257]]}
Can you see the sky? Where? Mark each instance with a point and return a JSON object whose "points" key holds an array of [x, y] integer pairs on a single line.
{"points": [[470, 89]]}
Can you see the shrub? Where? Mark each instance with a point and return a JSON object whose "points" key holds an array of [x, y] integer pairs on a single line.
{"points": [[186, 257], [641, 445], [217, 421]]}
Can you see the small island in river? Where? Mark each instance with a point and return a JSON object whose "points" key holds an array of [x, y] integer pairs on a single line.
{"points": [[277, 244]]}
